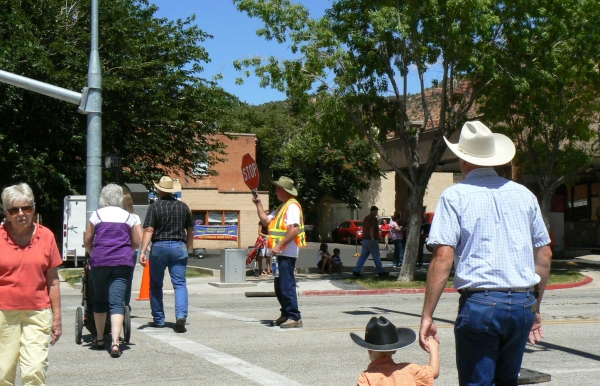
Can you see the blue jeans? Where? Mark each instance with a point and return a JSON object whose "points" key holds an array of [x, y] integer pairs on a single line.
{"points": [[110, 286], [491, 332], [172, 255], [367, 249], [130, 282], [398, 252], [285, 288]]}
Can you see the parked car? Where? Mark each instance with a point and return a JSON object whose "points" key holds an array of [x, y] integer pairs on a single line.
{"points": [[350, 231]]}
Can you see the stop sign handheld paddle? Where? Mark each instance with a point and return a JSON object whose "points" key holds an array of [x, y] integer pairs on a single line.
{"points": [[250, 173]]}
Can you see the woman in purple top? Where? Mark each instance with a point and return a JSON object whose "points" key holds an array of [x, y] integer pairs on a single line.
{"points": [[112, 235]]}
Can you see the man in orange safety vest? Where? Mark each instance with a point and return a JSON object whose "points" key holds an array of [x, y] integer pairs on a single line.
{"points": [[286, 236]]}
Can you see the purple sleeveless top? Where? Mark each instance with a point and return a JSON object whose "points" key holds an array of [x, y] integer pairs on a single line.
{"points": [[112, 245]]}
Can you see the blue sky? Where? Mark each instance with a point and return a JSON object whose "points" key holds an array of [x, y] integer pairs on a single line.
{"points": [[234, 37]]}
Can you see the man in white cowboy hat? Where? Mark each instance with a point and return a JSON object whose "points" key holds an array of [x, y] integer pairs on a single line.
{"points": [[382, 339], [492, 230], [170, 227], [286, 235]]}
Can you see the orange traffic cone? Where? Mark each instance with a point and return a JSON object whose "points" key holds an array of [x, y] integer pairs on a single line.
{"points": [[145, 286]]}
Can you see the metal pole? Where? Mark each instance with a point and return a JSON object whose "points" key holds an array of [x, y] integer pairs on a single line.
{"points": [[40, 87], [94, 122]]}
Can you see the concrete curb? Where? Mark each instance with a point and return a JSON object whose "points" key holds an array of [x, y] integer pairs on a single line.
{"points": [[405, 291]]}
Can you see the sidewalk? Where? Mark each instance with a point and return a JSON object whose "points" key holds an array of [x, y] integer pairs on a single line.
{"points": [[316, 284]]}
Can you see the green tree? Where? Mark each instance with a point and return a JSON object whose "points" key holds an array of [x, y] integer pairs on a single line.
{"points": [[352, 68], [545, 94], [157, 112], [289, 145]]}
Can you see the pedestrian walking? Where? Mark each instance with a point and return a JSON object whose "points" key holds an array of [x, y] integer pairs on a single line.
{"points": [[492, 230], [170, 228], [286, 236], [111, 236], [370, 244], [397, 239], [30, 308]]}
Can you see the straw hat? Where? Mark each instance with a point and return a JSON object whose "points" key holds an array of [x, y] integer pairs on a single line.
{"points": [[382, 335], [479, 146], [286, 184], [167, 184]]}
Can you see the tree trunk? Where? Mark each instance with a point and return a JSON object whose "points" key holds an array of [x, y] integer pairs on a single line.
{"points": [[414, 221], [545, 204]]}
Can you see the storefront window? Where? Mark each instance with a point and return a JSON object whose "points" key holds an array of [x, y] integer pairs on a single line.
{"points": [[199, 217], [231, 218], [215, 217]]}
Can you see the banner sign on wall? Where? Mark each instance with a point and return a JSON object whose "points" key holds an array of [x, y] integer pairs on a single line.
{"points": [[216, 232]]}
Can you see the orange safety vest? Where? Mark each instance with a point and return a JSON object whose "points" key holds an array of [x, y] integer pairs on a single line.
{"points": [[278, 227]]}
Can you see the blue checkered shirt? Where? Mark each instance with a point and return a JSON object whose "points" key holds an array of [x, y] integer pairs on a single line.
{"points": [[493, 224]]}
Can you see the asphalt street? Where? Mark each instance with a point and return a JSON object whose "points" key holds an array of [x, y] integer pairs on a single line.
{"points": [[307, 256], [229, 342]]}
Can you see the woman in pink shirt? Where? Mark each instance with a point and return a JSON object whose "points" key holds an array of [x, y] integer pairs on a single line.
{"points": [[30, 315]]}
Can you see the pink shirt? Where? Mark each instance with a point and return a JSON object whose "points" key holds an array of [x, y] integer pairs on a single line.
{"points": [[23, 282], [385, 372]]}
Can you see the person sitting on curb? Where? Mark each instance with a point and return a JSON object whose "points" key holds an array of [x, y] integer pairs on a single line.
{"points": [[337, 265], [324, 259], [382, 339]]}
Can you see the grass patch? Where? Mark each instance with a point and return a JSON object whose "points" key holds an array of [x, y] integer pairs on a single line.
{"points": [[390, 282], [195, 273], [565, 277], [71, 276]]}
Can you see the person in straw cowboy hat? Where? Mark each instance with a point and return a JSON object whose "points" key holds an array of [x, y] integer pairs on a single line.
{"points": [[286, 235], [170, 227], [492, 230], [382, 339]]}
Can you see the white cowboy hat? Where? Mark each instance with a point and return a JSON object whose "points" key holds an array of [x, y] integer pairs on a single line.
{"points": [[167, 184], [286, 184], [479, 146]]}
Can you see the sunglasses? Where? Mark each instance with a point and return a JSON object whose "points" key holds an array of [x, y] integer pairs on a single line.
{"points": [[25, 209]]}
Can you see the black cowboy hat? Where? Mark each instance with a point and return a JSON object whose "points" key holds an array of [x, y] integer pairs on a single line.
{"points": [[382, 335]]}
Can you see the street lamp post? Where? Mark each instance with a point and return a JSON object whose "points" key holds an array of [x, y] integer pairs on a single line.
{"points": [[93, 181]]}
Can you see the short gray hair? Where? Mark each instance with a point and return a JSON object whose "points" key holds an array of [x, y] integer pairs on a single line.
{"points": [[17, 193], [111, 195]]}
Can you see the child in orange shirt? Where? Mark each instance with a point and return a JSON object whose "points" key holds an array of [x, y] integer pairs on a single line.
{"points": [[382, 339]]}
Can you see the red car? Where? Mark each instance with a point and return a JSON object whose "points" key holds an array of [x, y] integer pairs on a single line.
{"points": [[350, 231]]}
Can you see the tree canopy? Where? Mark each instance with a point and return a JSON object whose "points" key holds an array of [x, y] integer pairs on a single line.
{"points": [[158, 113], [545, 93]]}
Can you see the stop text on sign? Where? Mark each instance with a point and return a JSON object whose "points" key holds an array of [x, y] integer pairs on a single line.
{"points": [[249, 171]]}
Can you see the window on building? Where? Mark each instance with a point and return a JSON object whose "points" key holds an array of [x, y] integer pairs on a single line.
{"points": [[216, 217], [201, 168]]}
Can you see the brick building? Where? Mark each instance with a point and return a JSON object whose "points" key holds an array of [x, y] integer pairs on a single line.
{"points": [[224, 202]]}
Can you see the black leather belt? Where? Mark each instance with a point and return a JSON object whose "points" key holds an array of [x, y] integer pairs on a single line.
{"points": [[465, 290]]}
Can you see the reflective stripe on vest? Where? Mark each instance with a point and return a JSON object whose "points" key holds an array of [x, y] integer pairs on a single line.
{"points": [[278, 227]]}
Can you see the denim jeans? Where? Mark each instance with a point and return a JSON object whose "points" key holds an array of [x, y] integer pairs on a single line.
{"points": [[110, 287], [398, 252], [130, 281], [172, 255], [285, 287], [491, 332], [368, 249]]}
